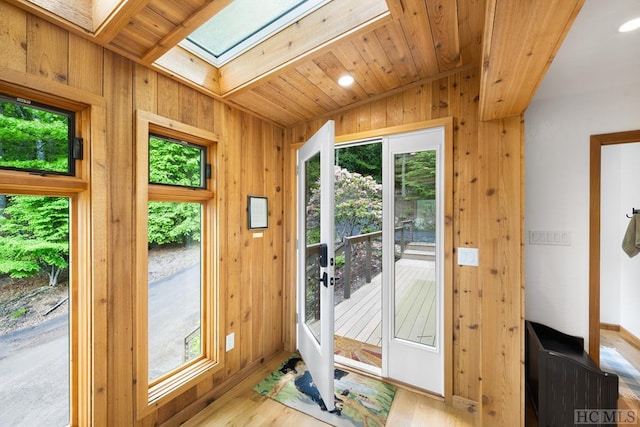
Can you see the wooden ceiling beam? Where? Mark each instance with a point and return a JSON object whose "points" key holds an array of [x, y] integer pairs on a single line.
{"points": [[520, 41], [117, 19], [198, 18], [190, 69]]}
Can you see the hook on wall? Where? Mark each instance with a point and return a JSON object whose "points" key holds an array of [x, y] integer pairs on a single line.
{"points": [[634, 211]]}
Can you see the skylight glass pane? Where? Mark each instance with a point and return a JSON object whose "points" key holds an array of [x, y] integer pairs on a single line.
{"points": [[243, 23], [239, 21]]}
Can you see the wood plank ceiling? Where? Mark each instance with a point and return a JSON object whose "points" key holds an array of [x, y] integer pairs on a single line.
{"points": [[386, 46]]}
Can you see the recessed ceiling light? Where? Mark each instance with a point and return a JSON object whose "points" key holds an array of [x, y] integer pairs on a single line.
{"points": [[630, 25], [345, 80]]}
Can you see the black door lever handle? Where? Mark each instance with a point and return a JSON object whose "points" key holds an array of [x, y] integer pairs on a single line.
{"points": [[324, 280]]}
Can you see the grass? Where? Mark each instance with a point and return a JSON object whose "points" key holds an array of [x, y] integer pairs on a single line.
{"points": [[18, 313]]}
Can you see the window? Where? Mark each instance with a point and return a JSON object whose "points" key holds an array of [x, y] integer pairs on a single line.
{"points": [[43, 199], [177, 293], [243, 24], [36, 138]]}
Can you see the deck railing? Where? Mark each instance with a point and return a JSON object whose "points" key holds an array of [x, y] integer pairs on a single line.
{"points": [[346, 247]]}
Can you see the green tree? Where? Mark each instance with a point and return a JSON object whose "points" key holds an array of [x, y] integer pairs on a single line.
{"points": [[416, 175], [34, 232], [32, 138], [174, 163], [173, 223], [365, 159], [358, 204]]}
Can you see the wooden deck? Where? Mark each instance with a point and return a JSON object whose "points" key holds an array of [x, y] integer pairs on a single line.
{"points": [[360, 317]]}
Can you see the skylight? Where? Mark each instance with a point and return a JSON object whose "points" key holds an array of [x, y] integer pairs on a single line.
{"points": [[243, 24]]}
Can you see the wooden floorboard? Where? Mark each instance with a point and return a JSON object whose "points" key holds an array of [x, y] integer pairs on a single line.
{"points": [[241, 407], [360, 316]]}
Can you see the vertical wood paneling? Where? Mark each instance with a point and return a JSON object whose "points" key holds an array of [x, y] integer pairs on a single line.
{"points": [[250, 159], [100, 250], [500, 249], [494, 158], [188, 105], [253, 152], [168, 98], [120, 154], [85, 58], [233, 234], [274, 179], [378, 114], [48, 50], [440, 98], [146, 88], [395, 114], [466, 315], [13, 37]]}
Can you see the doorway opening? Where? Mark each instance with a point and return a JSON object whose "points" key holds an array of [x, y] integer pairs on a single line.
{"points": [[389, 271], [389, 217], [598, 142]]}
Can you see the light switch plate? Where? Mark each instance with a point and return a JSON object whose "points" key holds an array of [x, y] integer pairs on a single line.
{"points": [[468, 256], [230, 341]]}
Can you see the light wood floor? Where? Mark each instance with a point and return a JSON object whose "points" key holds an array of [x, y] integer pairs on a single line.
{"points": [[241, 406], [630, 352]]}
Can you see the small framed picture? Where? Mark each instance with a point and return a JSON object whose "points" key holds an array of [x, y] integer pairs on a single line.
{"points": [[258, 212]]}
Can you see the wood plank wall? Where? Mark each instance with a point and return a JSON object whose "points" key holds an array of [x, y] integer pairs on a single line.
{"points": [[488, 214], [250, 161], [254, 158]]}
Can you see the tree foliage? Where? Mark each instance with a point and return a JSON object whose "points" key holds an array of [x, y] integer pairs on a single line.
{"points": [[31, 138], [34, 231], [416, 175], [173, 223], [358, 205], [365, 159], [173, 163]]}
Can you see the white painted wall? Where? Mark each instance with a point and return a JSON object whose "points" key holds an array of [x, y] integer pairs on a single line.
{"points": [[629, 267], [557, 197], [612, 219]]}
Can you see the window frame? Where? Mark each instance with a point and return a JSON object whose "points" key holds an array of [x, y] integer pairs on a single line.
{"points": [[150, 395], [87, 213]]}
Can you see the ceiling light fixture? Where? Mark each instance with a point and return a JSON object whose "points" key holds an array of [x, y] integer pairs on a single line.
{"points": [[630, 25], [345, 80]]}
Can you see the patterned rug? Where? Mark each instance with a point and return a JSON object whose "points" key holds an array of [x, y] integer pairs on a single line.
{"points": [[628, 376], [360, 401], [357, 350]]}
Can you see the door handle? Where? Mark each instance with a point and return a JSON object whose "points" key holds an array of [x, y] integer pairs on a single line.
{"points": [[324, 279]]}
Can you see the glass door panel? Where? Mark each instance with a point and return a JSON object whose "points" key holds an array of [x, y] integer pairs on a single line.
{"points": [[312, 209], [415, 308]]}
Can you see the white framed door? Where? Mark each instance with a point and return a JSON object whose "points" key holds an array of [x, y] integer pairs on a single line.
{"points": [[315, 259], [413, 273]]}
